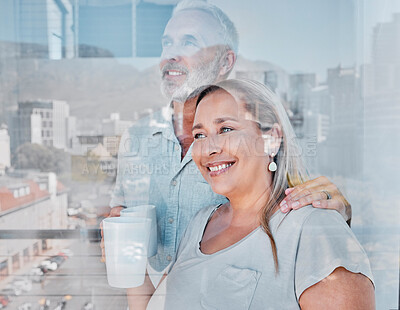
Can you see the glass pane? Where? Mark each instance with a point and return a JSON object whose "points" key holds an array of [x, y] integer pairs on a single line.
{"points": [[76, 74]]}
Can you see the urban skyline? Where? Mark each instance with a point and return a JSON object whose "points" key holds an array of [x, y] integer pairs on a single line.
{"points": [[346, 114]]}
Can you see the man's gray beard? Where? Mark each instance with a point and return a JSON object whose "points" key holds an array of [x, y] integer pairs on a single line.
{"points": [[202, 75]]}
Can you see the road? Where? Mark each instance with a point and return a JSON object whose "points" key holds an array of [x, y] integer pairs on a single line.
{"points": [[82, 278]]}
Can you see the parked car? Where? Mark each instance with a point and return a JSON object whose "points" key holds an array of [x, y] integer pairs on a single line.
{"points": [[4, 301], [23, 284], [73, 211], [44, 269], [49, 265], [11, 291]]}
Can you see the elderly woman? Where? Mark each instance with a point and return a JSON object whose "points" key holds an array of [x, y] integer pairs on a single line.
{"points": [[247, 254]]}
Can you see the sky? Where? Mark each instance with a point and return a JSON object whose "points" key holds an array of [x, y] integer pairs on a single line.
{"points": [[307, 35]]}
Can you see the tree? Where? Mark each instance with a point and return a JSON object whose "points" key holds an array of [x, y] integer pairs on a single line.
{"points": [[45, 159]]}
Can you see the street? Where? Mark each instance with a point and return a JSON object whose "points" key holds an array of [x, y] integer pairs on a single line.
{"points": [[80, 279]]}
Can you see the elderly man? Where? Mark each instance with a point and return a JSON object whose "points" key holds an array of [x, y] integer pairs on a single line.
{"points": [[155, 165]]}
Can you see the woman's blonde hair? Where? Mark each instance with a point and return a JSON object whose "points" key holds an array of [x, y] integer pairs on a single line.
{"points": [[267, 110]]}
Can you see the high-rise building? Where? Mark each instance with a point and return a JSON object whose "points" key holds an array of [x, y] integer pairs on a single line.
{"points": [[57, 29], [124, 29], [381, 81], [44, 29], [386, 41], [41, 122], [346, 128], [300, 86]]}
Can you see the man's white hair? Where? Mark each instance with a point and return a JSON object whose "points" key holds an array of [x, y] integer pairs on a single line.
{"points": [[228, 30]]}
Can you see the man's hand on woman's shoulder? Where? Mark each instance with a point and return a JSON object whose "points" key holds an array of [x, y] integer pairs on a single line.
{"points": [[320, 193]]}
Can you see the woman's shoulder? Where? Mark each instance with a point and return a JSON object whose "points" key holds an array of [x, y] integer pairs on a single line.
{"points": [[311, 222], [324, 243], [309, 215]]}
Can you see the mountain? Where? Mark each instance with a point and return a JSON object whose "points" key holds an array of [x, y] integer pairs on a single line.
{"points": [[93, 87]]}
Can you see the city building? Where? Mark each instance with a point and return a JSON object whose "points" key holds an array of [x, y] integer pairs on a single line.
{"points": [[41, 122], [346, 126], [315, 130], [43, 29], [300, 86], [381, 96], [107, 29], [5, 152], [114, 126], [37, 201]]}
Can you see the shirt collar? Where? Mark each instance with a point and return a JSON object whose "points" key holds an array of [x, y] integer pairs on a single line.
{"points": [[162, 123]]}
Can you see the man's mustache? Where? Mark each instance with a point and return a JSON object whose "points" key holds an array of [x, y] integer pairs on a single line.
{"points": [[173, 66]]}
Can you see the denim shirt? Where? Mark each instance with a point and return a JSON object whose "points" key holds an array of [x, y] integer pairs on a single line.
{"points": [[150, 171]]}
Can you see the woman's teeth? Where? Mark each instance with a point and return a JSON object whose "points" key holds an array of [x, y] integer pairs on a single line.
{"points": [[219, 167]]}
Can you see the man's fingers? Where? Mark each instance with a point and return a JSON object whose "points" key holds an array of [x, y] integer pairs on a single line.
{"points": [[115, 212], [295, 199], [289, 190], [316, 192], [303, 201], [299, 191], [308, 188]]}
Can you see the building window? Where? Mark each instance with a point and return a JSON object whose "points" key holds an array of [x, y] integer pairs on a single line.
{"points": [[151, 20]]}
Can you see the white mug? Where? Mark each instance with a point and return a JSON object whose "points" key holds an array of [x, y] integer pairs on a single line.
{"points": [[146, 211], [126, 240]]}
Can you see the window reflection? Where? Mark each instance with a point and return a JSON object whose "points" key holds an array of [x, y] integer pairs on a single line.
{"points": [[74, 75]]}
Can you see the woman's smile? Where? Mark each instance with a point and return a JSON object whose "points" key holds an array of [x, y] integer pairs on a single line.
{"points": [[218, 168]]}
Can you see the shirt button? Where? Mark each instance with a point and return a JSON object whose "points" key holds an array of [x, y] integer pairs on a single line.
{"points": [[174, 182], [170, 220], [169, 258]]}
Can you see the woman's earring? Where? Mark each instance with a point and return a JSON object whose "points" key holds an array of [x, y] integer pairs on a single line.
{"points": [[272, 165]]}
